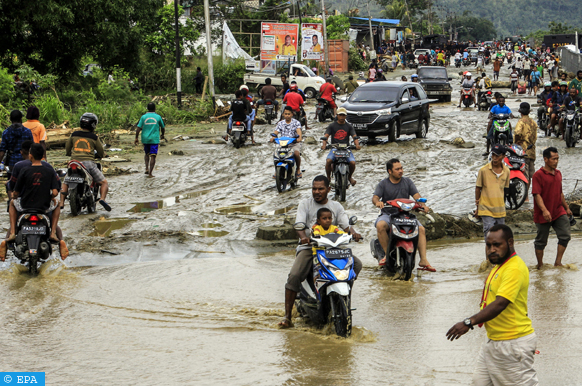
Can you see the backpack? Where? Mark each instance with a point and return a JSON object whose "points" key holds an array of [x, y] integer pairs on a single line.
{"points": [[487, 82]]}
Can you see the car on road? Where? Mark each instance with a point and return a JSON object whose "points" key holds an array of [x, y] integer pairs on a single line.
{"points": [[389, 109], [419, 51], [306, 79], [473, 53], [435, 82]]}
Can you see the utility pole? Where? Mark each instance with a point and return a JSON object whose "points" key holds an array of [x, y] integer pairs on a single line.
{"points": [[178, 67], [430, 17], [326, 51], [370, 25], [409, 20], [209, 49]]}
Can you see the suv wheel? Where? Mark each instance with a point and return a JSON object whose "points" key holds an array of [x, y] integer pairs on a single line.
{"points": [[392, 133], [422, 129]]}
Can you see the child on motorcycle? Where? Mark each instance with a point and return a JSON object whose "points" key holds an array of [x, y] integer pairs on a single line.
{"points": [[324, 226]]}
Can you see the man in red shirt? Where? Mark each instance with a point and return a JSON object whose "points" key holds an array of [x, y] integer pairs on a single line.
{"points": [[550, 207], [326, 90], [294, 100]]}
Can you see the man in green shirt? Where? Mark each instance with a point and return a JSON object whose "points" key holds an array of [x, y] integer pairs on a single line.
{"points": [[577, 82], [150, 125], [351, 85]]}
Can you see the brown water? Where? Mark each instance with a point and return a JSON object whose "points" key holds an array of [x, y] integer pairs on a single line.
{"points": [[193, 298]]}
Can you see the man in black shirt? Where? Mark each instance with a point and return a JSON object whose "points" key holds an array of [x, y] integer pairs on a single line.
{"points": [[39, 186], [199, 80], [572, 103], [240, 108], [340, 133], [285, 86]]}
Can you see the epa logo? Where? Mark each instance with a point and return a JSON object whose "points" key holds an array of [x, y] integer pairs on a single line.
{"points": [[7, 379], [21, 379]]}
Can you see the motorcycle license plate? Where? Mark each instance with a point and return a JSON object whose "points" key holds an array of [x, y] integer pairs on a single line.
{"points": [[238, 128], [360, 125], [515, 160], [33, 230], [78, 180], [404, 221], [338, 253]]}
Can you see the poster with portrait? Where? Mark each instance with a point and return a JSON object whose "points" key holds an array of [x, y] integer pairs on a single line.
{"points": [[312, 41], [279, 41]]}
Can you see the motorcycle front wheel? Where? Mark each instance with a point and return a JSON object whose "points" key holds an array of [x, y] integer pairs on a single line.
{"points": [[280, 179], [341, 314]]}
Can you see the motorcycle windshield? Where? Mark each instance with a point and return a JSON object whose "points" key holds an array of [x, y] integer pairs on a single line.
{"points": [[285, 141]]}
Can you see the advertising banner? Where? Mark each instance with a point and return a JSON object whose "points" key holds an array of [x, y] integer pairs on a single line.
{"points": [[279, 41], [312, 41]]}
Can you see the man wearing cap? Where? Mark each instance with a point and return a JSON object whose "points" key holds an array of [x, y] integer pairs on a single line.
{"points": [[340, 133], [526, 135], [326, 90], [492, 181]]}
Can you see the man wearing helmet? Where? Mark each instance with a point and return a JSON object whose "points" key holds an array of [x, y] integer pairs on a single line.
{"points": [[571, 103], [543, 100], [468, 83], [558, 100], [84, 146], [326, 91], [414, 78]]}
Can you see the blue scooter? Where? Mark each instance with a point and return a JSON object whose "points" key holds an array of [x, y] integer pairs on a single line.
{"points": [[285, 165], [327, 296]]}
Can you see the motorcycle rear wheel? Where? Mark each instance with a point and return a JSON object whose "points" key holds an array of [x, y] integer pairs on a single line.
{"points": [[74, 201], [32, 265], [321, 116], [520, 195], [342, 315]]}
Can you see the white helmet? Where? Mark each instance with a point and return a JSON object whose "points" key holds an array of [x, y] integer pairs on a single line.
{"points": [[468, 74], [243, 86]]}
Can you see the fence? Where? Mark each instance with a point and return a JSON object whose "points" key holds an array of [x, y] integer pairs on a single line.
{"points": [[571, 61]]}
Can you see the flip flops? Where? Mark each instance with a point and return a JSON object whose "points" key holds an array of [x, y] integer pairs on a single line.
{"points": [[428, 268], [105, 205]]}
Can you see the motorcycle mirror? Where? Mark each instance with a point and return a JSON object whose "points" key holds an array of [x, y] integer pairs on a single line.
{"points": [[450, 78], [273, 135], [353, 220], [299, 226], [62, 172], [422, 200]]}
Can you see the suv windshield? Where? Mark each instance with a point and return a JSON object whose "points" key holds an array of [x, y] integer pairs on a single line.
{"points": [[432, 73], [375, 95]]}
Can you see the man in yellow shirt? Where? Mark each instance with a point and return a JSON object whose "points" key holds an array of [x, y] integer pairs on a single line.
{"points": [[288, 48], [507, 356], [492, 181], [315, 47]]}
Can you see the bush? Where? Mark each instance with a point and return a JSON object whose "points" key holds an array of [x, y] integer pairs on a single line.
{"points": [[355, 61], [51, 109], [6, 85], [228, 77]]}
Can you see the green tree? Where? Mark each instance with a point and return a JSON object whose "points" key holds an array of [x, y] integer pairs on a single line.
{"points": [[54, 35], [337, 27]]}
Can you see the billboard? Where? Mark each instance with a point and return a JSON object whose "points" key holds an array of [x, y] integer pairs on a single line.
{"points": [[279, 41], [312, 41]]}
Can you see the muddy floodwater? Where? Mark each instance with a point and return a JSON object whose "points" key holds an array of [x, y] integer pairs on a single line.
{"points": [[173, 288]]}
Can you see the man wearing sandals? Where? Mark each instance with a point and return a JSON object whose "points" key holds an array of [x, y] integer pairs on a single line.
{"points": [[391, 188], [307, 213]]}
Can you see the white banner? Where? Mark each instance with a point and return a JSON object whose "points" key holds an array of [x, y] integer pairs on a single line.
{"points": [[230, 46]]}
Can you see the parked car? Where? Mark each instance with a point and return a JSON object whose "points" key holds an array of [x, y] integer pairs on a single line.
{"points": [[473, 53], [435, 81], [305, 78], [389, 108]]}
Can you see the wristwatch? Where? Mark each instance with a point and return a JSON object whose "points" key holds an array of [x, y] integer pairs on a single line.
{"points": [[468, 323]]}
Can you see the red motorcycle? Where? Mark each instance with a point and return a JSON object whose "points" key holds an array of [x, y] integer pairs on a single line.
{"points": [[516, 194], [467, 96]]}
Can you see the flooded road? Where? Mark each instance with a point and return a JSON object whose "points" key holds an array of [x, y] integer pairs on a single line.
{"points": [[172, 287]]}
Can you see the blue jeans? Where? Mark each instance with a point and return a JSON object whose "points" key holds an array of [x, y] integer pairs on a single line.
{"points": [[248, 121]]}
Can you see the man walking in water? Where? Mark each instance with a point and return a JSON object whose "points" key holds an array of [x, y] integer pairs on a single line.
{"points": [[150, 125], [307, 214], [507, 356]]}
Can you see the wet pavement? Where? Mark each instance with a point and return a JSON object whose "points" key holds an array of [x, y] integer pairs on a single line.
{"points": [[172, 287]]}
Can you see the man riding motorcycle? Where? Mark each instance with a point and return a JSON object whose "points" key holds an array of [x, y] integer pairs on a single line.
{"points": [[294, 100], [391, 188], [468, 83], [499, 108], [543, 99], [571, 103], [340, 132], [326, 91], [84, 146], [290, 127], [558, 100], [268, 91]]}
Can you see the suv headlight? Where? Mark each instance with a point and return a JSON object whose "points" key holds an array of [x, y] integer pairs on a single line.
{"points": [[384, 112]]}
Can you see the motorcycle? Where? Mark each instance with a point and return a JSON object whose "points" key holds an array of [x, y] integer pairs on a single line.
{"points": [[327, 295], [32, 245], [402, 237], [238, 133], [324, 110], [300, 116], [501, 129], [284, 161], [83, 191], [516, 194], [458, 63], [485, 100], [572, 130], [467, 95], [545, 120], [466, 62], [269, 111], [341, 168]]}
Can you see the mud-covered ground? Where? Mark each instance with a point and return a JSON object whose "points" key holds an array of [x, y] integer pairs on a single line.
{"points": [[172, 287]]}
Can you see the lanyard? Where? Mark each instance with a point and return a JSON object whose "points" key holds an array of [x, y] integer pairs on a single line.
{"points": [[488, 286]]}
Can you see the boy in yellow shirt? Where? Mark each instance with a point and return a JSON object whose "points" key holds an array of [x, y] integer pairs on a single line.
{"points": [[323, 225]]}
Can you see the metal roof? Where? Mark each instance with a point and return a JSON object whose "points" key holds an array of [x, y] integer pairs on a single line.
{"points": [[385, 21]]}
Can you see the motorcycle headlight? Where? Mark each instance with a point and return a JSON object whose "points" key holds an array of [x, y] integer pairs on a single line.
{"points": [[405, 206], [412, 235], [341, 274], [384, 112], [570, 116]]}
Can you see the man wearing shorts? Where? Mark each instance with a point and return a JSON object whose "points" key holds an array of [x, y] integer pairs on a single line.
{"points": [[291, 128], [84, 146], [327, 90], [150, 125]]}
